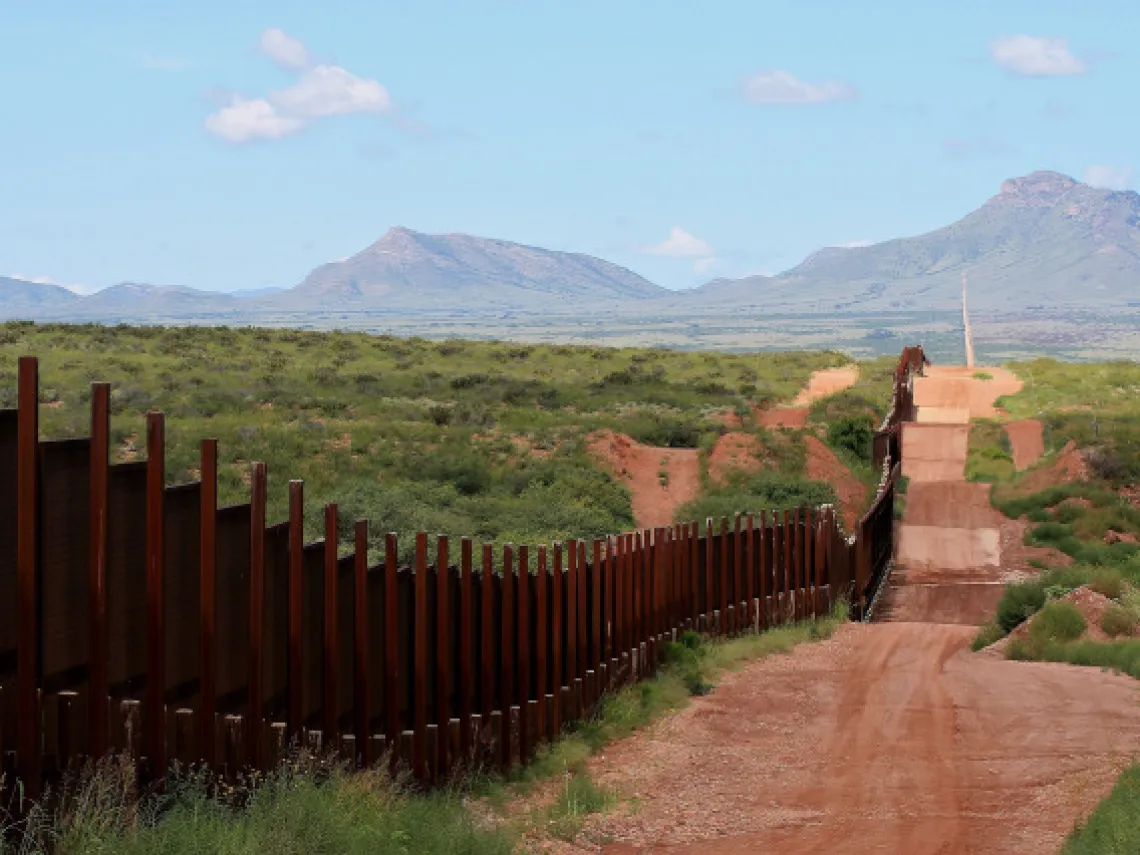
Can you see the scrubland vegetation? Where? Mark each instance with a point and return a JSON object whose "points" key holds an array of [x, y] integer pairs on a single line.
{"points": [[454, 437]]}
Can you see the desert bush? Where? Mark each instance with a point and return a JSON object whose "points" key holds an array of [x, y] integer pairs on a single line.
{"points": [[1058, 620], [1118, 620], [854, 434]]}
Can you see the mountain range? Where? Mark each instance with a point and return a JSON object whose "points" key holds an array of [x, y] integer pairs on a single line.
{"points": [[1044, 240]]}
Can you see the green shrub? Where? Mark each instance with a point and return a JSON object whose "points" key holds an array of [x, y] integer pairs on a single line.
{"points": [[1109, 583], [852, 433], [1019, 602], [1057, 621], [1118, 620], [755, 492], [987, 635]]}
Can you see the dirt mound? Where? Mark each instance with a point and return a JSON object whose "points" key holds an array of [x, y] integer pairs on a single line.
{"points": [[823, 465], [820, 385], [1089, 603], [730, 419], [781, 417], [1027, 439], [735, 451], [1068, 466], [660, 480]]}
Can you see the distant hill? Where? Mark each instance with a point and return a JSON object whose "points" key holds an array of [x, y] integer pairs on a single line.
{"points": [[136, 300], [409, 270], [20, 299], [1044, 240]]}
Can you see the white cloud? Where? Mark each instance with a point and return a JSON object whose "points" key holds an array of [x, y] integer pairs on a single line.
{"points": [[1035, 56], [1108, 177], [329, 90], [681, 244], [246, 119], [319, 92], [782, 87], [283, 49]]}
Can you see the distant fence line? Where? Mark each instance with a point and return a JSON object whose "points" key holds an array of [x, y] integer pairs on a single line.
{"points": [[144, 618]]}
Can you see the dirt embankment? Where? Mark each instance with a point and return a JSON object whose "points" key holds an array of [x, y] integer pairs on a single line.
{"points": [[1027, 440], [823, 465], [820, 385], [660, 480], [736, 452]]}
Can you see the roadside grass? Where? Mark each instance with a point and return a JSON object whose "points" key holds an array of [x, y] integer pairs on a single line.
{"points": [[308, 806], [1114, 827]]}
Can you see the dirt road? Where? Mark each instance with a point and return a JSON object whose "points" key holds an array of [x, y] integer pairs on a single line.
{"points": [[891, 737]]}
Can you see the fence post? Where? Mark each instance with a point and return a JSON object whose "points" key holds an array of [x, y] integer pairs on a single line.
{"points": [[442, 650], [392, 647], [571, 614], [27, 575], [331, 638], [97, 580], [507, 686], [523, 634], [207, 593], [253, 721], [466, 665], [361, 695], [155, 565], [556, 711], [542, 638], [420, 638]]}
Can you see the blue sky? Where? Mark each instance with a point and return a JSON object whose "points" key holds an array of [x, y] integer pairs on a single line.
{"points": [[237, 145]]}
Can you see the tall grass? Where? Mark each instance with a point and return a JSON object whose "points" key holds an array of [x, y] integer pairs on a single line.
{"points": [[307, 806]]}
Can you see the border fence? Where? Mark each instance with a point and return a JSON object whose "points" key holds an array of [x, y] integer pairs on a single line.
{"points": [[143, 618]]}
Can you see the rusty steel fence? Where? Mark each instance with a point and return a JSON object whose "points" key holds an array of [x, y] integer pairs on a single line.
{"points": [[143, 618]]}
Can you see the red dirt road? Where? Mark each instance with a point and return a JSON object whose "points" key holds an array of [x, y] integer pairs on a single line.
{"points": [[889, 738]]}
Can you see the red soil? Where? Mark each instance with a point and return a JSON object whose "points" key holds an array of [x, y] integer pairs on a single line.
{"points": [[887, 738], [730, 419], [823, 465], [735, 451], [640, 466], [781, 417], [1027, 440], [820, 385], [827, 382], [1068, 467]]}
